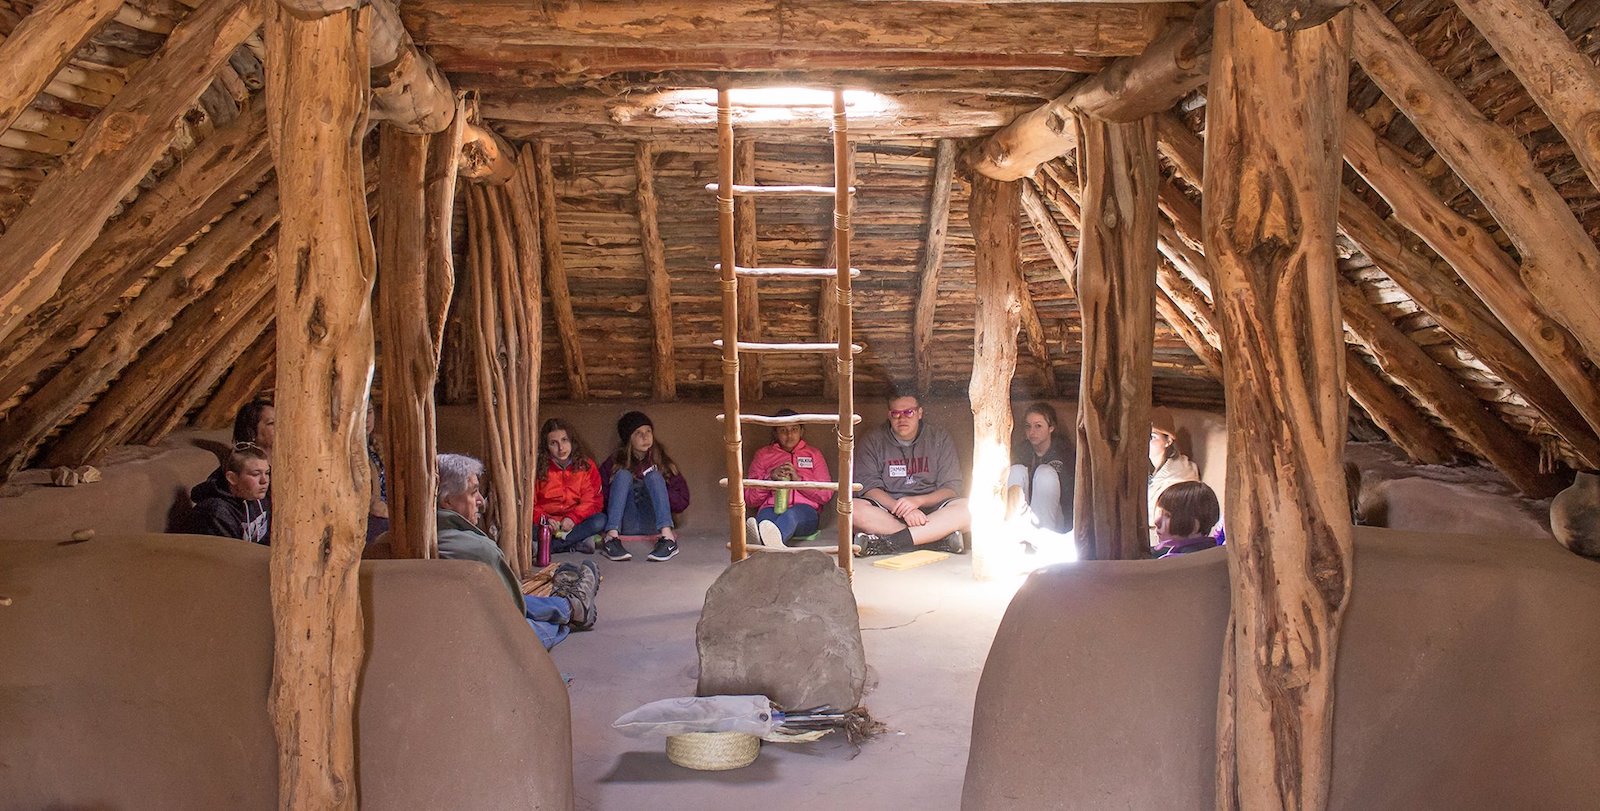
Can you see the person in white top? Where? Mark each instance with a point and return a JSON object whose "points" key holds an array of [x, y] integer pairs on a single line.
{"points": [[1168, 464]]}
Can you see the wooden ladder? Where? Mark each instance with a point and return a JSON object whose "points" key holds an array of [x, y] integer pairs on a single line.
{"points": [[731, 346]]}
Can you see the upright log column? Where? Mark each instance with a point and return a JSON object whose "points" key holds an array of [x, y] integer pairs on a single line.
{"points": [[1116, 294], [1271, 199], [325, 367], [995, 210]]}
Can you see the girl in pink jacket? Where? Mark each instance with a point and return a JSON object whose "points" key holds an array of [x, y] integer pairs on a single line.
{"points": [[781, 515]]}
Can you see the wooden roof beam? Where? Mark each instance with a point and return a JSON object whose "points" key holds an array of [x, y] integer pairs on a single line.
{"points": [[490, 65], [113, 155], [1562, 81], [43, 43], [231, 162], [933, 244], [245, 381], [664, 377], [1443, 393], [1055, 243], [1558, 256], [555, 269], [163, 416], [1406, 426], [497, 30], [1128, 89], [408, 91], [1544, 350]]}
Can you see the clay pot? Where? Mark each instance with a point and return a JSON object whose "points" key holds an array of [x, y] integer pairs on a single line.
{"points": [[1575, 515]]}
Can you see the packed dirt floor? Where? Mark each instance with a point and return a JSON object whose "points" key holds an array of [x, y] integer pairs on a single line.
{"points": [[926, 631]]}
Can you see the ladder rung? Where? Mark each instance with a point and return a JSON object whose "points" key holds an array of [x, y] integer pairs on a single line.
{"points": [[793, 419], [744, 190], [757, 346], [776, 484], [788, 273]]}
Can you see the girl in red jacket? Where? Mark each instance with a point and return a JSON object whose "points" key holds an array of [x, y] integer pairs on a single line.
{"points": [[567, 493], [788, 458]]}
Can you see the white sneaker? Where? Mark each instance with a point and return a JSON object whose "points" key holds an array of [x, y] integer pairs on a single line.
{"points": [[752, 534], [770, 535]]}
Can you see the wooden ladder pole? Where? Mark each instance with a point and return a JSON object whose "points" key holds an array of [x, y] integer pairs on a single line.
{"points": [[730, 330], [846, 358]]}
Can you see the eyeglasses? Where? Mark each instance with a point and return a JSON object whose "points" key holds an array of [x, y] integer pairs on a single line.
{"points": [[903, 412], [246, 446]]}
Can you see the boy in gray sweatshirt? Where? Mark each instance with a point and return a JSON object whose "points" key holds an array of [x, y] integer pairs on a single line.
{"points": [[911, 482]]}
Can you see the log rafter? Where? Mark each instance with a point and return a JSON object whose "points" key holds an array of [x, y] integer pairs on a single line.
{"points": [[555, 273], [933, 245], [664, 372], [37, 49], [115, 152]]}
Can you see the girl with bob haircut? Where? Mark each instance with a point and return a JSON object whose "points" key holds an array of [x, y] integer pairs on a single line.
{"points": [[644, 488], [1185, 514], [567, 493]]}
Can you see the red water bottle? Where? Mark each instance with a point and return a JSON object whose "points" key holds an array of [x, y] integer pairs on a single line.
{"points": [[545, 536]]}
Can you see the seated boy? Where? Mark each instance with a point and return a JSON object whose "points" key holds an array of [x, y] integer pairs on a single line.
{"points": [[911, 480], [237, 505]]}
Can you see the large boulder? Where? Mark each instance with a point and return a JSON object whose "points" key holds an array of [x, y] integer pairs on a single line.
{"points": [[783, 625]]}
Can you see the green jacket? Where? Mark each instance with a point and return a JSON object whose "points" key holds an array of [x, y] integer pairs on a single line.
{"points": [[459, 539]]}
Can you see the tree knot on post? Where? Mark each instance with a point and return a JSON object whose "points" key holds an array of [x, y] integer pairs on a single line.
{"points": [[317, 322]]}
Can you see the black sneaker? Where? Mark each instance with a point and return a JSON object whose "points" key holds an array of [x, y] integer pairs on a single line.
{"points": [[579, 584], [868, 545], [955, 543], [613, 550], [666, 549]]}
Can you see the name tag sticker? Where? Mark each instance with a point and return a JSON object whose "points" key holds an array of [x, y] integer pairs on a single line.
{"points": [[805, 463], [897, 471]]}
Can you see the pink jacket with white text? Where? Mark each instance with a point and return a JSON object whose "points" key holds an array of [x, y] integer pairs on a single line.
{"points": [[808, 466]]}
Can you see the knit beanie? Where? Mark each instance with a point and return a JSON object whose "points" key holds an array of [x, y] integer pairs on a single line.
{"points": [[630, 422]]}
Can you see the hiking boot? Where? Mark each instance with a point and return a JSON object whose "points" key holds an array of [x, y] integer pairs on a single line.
{"points": [[579, 584], [868, 545], [666, 549], [770, 535], [613, 550], [955, 543]]}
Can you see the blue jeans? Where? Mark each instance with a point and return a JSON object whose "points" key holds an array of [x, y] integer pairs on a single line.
{"points": [[638, 506], [548, 616], [593, 525], [799, 519]]}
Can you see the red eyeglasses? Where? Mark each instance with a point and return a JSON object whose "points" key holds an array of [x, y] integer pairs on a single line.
{"points": [[903, 412]]}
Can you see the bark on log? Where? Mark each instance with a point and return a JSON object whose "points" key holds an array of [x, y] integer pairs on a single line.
{"points": [[116, 151], [933, 242], [1167, 307], [555, 268], [1442, 393], [1130, 88], [486, 157], [252, 376], [444, 161], [116, 346], [664, 372], [1055, 244], [1116, 295], [325, 358], [496, 369], [406, 360], [1271, 206], [744, 230], [161, 417], [994, 208], [524, 222], [1490, 273], [1562, 81], [204, 187], [408, 91], [41, 45], [575, 65], [1033, 334], [1557, 254]]}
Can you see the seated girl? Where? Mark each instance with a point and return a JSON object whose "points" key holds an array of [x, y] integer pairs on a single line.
{"points": [[1039, 485], [1185, 514], [567, 492], [643, 488], [783, 514]]}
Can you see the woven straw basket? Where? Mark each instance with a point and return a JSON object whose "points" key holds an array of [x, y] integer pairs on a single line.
{"points": [[713, 751]]}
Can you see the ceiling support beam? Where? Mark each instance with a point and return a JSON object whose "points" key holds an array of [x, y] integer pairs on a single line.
{"points": [[1271, 193], [933, 243], [664, 377], [1407, 427], [1000, 290], [1132, 87], [1116, 297], [115, 152], [1558, 256], [44, 42], [555, 274]]}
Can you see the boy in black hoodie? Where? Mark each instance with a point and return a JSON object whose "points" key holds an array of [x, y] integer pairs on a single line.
{"points": [[235, 504]]}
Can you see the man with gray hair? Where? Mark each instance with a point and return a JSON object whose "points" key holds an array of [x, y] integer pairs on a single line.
{"points": [[570, 607]]}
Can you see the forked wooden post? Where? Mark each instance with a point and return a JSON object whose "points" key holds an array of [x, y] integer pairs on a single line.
{"points": [[995, 209], [733, 435], [1116, 294], [320, 485], [1272, 191]]}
